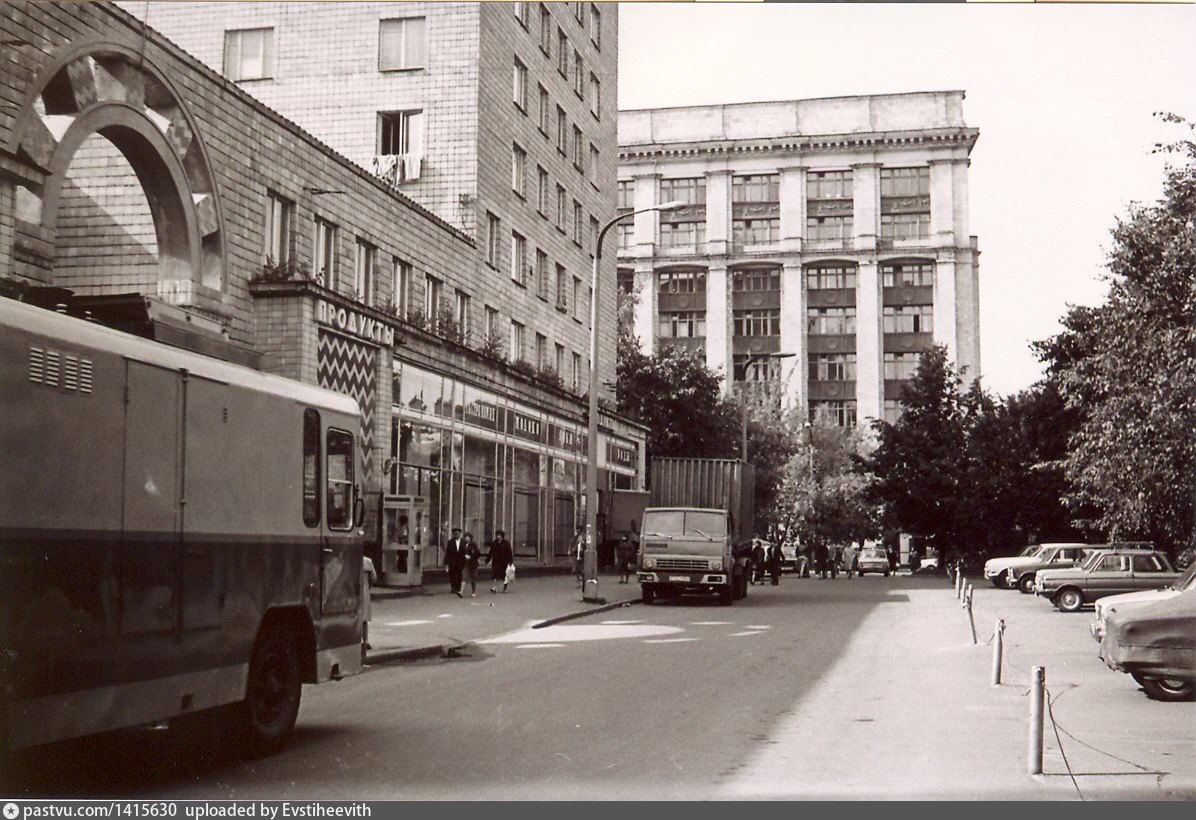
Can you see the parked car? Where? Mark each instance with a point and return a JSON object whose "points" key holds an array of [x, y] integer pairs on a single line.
{"points": [[792, 560], [1019, 572], [996, 569], [1106, 572], [1156, 645], [1129, 600], [873, 559]]}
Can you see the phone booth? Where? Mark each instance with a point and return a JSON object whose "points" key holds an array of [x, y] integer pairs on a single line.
{"points": [[404, 535]]}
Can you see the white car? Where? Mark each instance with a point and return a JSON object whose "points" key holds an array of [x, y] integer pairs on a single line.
{"points": [[1128, 600], [873, 559]]}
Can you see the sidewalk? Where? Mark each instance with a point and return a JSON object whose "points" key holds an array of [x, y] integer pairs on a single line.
{"points": [[430, 621]]}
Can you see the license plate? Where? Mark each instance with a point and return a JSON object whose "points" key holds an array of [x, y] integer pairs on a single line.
{"points": [[679, 578]]}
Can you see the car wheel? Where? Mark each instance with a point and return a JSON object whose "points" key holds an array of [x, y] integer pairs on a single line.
{"points": [[647, 594], [1025, 584], [272, 692], [998, 580], [1168, 689], [1069, 599]]}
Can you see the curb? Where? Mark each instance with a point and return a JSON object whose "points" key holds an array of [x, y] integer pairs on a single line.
{"points": [[574, 615]]}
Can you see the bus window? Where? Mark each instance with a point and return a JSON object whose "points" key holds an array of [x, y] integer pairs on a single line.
{"points": [[311, 468], [340, 480]]}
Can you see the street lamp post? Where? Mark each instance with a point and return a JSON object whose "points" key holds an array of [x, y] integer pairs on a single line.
{"points": [[590, 565], [743, 397]]}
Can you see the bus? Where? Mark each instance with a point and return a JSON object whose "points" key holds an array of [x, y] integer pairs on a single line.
{"points": [[177, 533]]}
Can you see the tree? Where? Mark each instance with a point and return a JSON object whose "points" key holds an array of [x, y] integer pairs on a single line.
{"points": [[1128, 369]]}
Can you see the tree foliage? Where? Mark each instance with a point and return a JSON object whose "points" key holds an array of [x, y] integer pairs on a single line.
{"points": [[1128, 369]]}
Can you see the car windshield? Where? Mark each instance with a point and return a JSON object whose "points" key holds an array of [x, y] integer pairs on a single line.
{"points": [[875, 554], [1039, 552], [1092, 558], [1028, 551], [1187, 580]]}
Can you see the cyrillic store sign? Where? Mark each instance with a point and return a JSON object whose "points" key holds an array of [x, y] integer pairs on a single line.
{"points": [[354, 323]]}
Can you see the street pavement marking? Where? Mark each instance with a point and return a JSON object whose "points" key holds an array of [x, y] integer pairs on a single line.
{"points": [[709, 623], [583, 632], [541, 646], [669, 640], [751, 626], [407, 623], [738, 634], [445, 615], [620, 623]]}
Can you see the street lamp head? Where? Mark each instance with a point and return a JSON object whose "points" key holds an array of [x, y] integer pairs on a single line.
{"points": [[671, 206]]}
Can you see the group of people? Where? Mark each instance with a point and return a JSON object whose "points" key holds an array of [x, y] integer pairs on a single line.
{"points": [[625, 556], [766, 559], [462, 556]]}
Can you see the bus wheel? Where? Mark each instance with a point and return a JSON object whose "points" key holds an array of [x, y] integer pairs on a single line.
{"points": [[272, 693]]}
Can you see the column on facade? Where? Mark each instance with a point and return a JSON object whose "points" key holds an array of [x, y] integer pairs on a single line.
{"points": [[942, 203], [718, 212], [646, 303], [869, 357], [793, 209], [646, 224], [794, 390], [945, 332], [865, 191], [718, 323]]}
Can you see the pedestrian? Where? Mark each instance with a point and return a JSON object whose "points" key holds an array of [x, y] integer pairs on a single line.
{"points": [[578, 550], [472, 553], [850, 556], [454, 559], [891, 554], [775, 556], [835, 560], [915, 561], [624, 557], [821, 559], [759, 556], [499, 558], [370, 577]]}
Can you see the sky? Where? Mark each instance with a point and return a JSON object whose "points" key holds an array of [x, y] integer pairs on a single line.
{"points": [[1063, 96]]}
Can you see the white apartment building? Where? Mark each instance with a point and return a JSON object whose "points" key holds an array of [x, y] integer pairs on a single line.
{"points": [[823, 246]]}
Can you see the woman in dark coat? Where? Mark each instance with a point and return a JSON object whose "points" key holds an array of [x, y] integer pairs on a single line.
{"points": [[499, 558], [774, 563]]}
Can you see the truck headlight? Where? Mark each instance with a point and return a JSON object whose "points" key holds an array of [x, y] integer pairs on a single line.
{"points": [[649, 563], [716, 565]]}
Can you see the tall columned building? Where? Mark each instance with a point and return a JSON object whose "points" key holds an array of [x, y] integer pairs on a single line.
{"points": [[823, 246]]}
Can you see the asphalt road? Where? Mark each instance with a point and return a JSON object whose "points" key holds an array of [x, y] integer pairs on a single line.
{"points": [[663, 702]]}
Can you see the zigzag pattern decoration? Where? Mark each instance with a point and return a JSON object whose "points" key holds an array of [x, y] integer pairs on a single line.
{"points": [[348, 367]]}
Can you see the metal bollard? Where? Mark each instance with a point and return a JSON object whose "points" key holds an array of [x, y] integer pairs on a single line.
{"points": [[959, 583], [998, 651], [971, 619], [1037, 686]]}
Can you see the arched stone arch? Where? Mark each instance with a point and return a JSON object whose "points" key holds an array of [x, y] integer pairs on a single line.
{"points": [[110, 89]]}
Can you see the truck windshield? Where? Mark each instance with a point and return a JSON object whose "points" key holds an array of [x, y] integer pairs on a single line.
{"points": [[685, 523]]}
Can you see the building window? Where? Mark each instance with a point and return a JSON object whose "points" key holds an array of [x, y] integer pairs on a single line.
{"points": [[577, 142], [562, 131], [682, 281], [905, 181], [542, 275], [839, 413], [363, 278], [541, 351], [518, 258], [625, 195], [757, 322], [904, 203], [682, 324], [400, 145], [682, 234], [907, 274], [576, 373], [542, 191], [595, 26], [908, 319], [462, 314], [905, 226], [593, 236], [901, 366], [520, 10], [579, 74], [491, 322], [756, 368], [545, 30], [755, 232], [519, 90], [756, 280], [433, 291], [595, 163], [821, 185], [401, 44], [578, 221], [562, 288], [562, 54], [831, 321], [559, 361], [691, 191], [576, 297], [829, 206], [561, 200], [280, 212], [544, 111], [595, 96], [249, 54], [829, 228], [892, 410], [518, 170], [492, 240], [401, 287], [517, 333], [624, 233], [831, 277], [579, 12], [832, 367], [325, 253], [756, 188]]}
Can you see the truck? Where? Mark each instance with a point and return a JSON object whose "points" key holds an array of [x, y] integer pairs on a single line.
{"points": [[697, 531]]}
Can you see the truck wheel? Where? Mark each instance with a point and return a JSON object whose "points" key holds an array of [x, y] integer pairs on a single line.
{"points": [[725, 596], [1168, 689], [647, 593], [1025, 584], [1069, 599], [272, 692]]}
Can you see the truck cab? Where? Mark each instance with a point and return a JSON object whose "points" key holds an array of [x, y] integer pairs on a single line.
{"points": [[687, 550]]}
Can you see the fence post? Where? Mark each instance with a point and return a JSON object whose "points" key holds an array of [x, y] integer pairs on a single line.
{"points": [[1037, 685], [959, 582], [998, 650], [968, 605]]}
